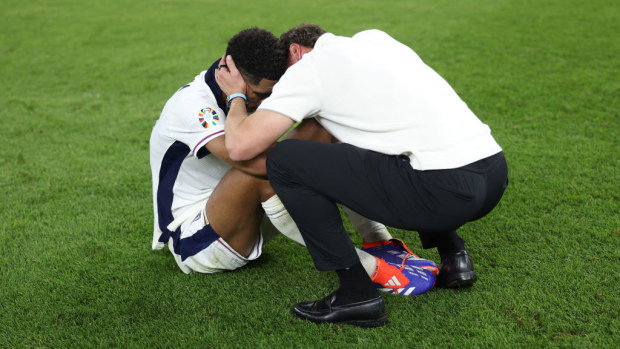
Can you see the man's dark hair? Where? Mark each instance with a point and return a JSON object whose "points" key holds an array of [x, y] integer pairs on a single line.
{"points": [[305, 34], [256, 55]]}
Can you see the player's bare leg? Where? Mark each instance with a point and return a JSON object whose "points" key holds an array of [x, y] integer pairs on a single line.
{"points": [[234, 209]]}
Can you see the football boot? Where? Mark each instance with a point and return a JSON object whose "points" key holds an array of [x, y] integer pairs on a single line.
{"points": [[406, 280], [395, 251]]}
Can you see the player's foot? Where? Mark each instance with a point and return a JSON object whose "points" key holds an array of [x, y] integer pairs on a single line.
{"points": [[395, 251], [457, 270], [367, 313], [406, 280]]}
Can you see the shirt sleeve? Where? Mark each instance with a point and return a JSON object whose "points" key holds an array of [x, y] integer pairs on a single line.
{"points": [[297, 94], [197, 122]]}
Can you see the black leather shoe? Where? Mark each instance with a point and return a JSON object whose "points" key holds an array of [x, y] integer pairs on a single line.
{"points": [[457, 270], [370, 313]]}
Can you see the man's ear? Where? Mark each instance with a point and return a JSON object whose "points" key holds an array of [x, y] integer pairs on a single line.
{"points": [[294, 54]]}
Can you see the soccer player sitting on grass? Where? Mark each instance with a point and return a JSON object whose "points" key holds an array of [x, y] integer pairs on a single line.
{"points": [[209, 209]]}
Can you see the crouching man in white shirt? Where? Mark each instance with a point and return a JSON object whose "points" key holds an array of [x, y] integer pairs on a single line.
{"points": [[413, 156]]}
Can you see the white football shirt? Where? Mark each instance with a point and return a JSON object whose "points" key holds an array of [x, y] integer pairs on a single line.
{"points": [[184, 173]]}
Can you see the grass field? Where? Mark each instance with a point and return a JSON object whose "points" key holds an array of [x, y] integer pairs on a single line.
{"points": [[82, 83]]}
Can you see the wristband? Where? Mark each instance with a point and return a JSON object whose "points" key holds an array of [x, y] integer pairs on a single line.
{"points": [[233, 96]]}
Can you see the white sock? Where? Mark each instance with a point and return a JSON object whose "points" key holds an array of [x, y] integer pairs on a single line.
{"points": [[369, 262], [370, 231], [268, 230], [279, 217]]}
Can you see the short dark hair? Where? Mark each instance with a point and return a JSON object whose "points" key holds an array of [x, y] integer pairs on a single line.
{"points": [[305, 34], [256, 55]]}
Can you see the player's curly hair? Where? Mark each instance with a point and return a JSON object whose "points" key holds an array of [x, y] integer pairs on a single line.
{"points": [[305, 34], [256, 55]]}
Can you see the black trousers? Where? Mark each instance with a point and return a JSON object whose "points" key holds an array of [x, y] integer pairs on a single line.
{"points": [[311, 178]]}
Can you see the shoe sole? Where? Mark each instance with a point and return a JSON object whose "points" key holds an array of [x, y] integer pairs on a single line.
{"points": [[359, 323], [366, 323], [460, 280]]}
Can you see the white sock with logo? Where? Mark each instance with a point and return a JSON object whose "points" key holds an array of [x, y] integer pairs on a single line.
{"points": [[370, 231]]}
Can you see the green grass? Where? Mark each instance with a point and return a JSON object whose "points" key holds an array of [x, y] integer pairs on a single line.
{"points": [[82, 83]]}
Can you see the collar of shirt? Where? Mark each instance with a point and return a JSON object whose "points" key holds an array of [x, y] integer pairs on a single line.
{"points": [[215, 88]]}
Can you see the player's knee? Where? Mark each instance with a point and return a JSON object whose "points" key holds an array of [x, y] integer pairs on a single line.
{"points": [[266, 191]]}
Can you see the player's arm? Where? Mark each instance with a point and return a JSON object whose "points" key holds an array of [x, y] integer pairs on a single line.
{"points": [[255, 166], [308, 129]]}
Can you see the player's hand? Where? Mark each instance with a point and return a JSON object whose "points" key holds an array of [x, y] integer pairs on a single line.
{"points": [[229, 78]]}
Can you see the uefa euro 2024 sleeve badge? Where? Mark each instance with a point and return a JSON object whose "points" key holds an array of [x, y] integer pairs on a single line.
{"points": [[208, 116]]}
